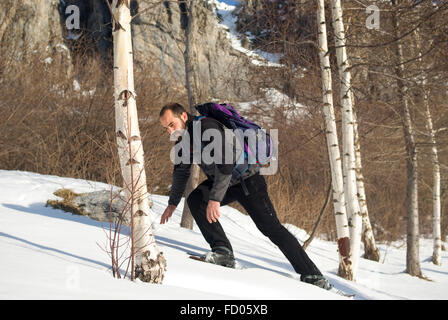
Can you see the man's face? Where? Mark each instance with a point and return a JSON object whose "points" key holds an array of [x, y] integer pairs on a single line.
{"points": [[172, 123]]}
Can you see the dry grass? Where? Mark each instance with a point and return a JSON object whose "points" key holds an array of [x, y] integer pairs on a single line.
{"points": [[66, 203], [50, 127]]}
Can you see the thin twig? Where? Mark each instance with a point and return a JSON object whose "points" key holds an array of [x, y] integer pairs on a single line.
{"points": [[327, 200]]}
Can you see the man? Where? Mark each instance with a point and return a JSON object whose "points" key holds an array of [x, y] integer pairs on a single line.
{"points": [[220, 189]]}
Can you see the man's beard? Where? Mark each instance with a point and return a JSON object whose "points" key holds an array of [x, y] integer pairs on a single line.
{"points": [[180, 132]]}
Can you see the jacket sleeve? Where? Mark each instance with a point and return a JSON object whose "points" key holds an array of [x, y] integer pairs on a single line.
{"points": [[181, 173]]}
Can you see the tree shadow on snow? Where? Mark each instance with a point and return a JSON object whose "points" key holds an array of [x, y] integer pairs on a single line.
{"points": [[50, 249], [41, 209]]}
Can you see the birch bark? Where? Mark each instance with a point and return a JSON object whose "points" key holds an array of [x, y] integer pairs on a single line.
{"points": [[437, 234], [412, 247], [149, 261], [343, 235], [371, 252], [193, 88], [436, 204], [348, 147]]}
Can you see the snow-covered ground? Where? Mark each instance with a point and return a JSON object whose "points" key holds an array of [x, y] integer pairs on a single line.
{"points": [[51, 254], [225, 9], [273, 99]]}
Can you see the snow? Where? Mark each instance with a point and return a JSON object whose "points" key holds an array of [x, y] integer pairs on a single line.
{"points": [[77, 88], [225, 9], [48, 60], [51, 254], [73, 36], [76, 85], [274, 99]]}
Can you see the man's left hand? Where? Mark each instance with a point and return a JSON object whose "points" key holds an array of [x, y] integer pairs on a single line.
{"points": [[213, 211]]}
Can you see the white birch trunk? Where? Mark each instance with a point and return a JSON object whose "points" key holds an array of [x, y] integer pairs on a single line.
{"points": [[149, 261], [348, 147], [191, 65], [412, 237], [436, 204], [343, 235], [437, 234], [192, 83], [371, 252]]}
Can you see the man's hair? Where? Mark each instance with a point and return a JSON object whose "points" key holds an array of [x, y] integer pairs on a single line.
{"points": [[176, 108]]}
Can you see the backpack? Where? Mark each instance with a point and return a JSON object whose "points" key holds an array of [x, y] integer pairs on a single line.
{"points": [[231, 119]]}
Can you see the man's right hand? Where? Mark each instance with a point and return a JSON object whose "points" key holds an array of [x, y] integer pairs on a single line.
{"points": [[167, 213]]}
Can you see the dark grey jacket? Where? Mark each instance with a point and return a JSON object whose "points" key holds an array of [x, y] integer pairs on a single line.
{"points": [[220, 173]]}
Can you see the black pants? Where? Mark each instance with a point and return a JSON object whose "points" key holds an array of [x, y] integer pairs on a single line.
{"points": [[260, 209]]}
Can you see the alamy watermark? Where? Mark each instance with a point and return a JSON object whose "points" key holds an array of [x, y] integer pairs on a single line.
{"points": [[234, 147], [73, 279], [73, 20], [373, 20]]}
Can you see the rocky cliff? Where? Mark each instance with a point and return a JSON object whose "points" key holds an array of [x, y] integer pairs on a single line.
{"points": [[31, 25], [158, 38]]}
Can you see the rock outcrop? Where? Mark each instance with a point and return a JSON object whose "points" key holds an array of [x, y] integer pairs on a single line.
{"points": [[159, 34], [98, 205], [158, 38], [29, 26]]}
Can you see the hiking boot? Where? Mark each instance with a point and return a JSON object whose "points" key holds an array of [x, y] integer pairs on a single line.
{"points": [[221, 256], [317, 280]]}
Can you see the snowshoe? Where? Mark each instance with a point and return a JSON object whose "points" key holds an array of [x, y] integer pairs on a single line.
{"points": [[317, 280], [220, 255]]}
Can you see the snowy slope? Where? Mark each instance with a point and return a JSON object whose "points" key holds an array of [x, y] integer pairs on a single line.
{"points": [[51, 254], [225, 9]]}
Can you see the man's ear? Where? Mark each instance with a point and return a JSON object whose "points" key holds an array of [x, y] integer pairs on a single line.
{"points": [[184, 116]]}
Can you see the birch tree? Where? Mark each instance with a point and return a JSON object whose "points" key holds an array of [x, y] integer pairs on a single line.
{"points": [[412, 248], [342, 230], [371, 252], [188, 8], [149, 265], [348, 147], [436, 203], [437, 234]]}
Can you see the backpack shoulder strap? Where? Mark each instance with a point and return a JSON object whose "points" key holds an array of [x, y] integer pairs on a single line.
{"points": [[198, 118]]}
